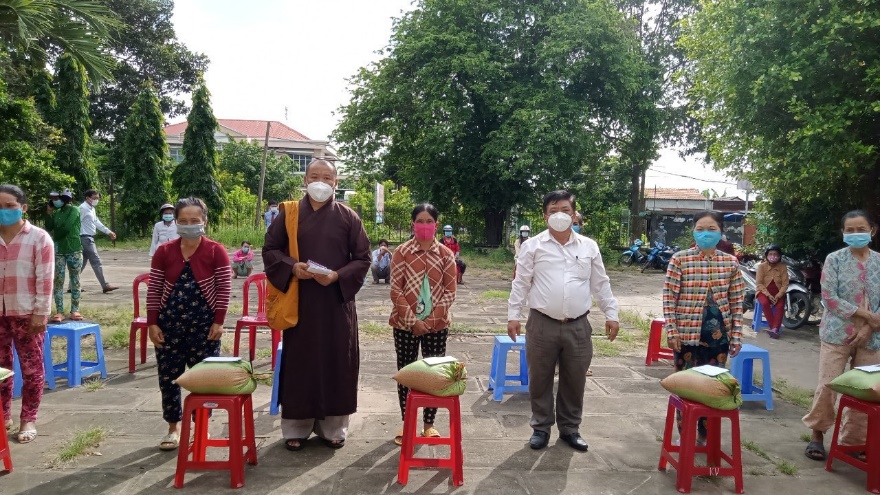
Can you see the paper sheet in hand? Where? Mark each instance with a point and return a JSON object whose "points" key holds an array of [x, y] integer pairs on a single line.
{"points": [[710, 370], [870, 369], [318, 268], [433, 361], [222, 359]]}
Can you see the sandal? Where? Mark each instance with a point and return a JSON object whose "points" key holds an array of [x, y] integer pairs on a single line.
{"points": [[9, 425], [75, 316], [589, 372], [26, 436], [300, 443], [859, 456], [58, 318], [815, 451], [169, 442], [398, 439], [431, 432], [334, 444]]}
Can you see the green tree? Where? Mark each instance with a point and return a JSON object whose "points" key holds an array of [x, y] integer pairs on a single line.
{"points": [[44, 95], [241, 161], [788, 94], [34, 28], [145, 48], [71, 116], [398, 209], [144, 181], [196, 175], [489, 104]]}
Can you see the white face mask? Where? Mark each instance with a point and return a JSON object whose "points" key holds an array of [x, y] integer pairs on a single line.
{"points": [[93, 202], [559, 221], [319, 191]]}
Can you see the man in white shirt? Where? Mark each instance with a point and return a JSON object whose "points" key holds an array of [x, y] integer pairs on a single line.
{"points": [[558, 273], [89, 226]]}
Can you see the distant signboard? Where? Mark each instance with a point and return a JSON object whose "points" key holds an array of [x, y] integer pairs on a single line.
{"points": [[380, 202]]}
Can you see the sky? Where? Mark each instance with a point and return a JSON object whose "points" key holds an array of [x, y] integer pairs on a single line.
{"points": [[289, 60]]}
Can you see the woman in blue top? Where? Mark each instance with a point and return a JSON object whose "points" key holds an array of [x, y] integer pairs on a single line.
{"points": [[850, 328]]}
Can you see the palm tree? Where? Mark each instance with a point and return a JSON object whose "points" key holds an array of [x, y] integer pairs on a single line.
{"points": [[78, 27]]}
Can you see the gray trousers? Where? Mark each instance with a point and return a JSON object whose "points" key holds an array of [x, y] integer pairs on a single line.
{"points": [[549, 342], [380, 273], [90, 255]]}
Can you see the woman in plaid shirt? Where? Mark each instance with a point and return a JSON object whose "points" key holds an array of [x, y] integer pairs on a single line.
{"points": [[702, 301]]}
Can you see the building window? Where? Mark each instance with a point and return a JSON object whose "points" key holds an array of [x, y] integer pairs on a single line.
{"points": [[300, 162], [176, 154]]}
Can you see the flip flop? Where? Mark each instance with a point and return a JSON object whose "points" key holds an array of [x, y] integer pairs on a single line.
{"points": [[589, 372], [431, 433], [169, 442], [57, 318], [398, 439], [334, 444], [9, 424], [26, 436], [815, 451], [75, 316], [301, 442]]}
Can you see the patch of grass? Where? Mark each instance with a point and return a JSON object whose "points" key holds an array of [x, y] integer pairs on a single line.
{"points": [[638, 322], [464, 328], [82, 443], [806, 437], [792, 394], [498, 295], [263, 353], [757, 472], [374, 329], [787, 468], [756, 449], [117, 340], [499, 259], [123, 244], [93, 384], [604, 348]]}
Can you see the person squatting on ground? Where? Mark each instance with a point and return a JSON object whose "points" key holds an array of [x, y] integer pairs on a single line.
{"points": [[164, 230], [321, 359], [558, 273], [381, 267], [422, 292], [63, 224], [850, 329], [243, 261], [771, 285], [27, 262], [703, 302], [187, 299], [89, 226]]}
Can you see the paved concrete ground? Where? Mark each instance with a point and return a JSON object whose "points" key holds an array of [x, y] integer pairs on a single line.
{"points": [[624, 413]]}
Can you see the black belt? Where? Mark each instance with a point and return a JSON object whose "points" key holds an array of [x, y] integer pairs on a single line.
{"points": [[564, 320], [86, 235]]}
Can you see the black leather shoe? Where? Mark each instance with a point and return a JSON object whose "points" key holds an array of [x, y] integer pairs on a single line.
{"points": [[575, 441], [539, 440]]}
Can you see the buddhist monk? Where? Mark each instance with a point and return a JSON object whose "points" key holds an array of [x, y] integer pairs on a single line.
{"points": [[320, 362]]}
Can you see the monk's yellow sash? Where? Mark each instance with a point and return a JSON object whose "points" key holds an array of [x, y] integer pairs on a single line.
{"points": [[282, 308]]}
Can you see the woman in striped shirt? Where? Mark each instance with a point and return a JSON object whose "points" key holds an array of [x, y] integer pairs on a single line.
{"points": [[187, 299], [703, 300], [423, 282]]}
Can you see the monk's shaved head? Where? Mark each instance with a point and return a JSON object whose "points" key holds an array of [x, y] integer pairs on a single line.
{"points": [[321, 161]]}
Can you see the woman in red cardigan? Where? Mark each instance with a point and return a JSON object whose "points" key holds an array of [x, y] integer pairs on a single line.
{"points": [[187, 299]]}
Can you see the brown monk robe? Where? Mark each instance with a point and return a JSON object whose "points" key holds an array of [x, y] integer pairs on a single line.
{"points": [[321, 357]]}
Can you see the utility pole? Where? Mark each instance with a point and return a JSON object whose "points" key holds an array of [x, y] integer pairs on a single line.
{"points": [[112, 208], [262, 176]]}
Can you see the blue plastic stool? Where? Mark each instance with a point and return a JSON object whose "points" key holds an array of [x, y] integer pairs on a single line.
{"points": [[741, 367], [498, 377], [276, 375], [758, 320], [74, 369], [18, 380]]}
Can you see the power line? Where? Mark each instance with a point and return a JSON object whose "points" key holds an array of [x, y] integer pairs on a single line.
{"points": [[694, 178]]}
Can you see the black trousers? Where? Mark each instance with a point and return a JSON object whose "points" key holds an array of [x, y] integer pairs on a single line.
{"points": [[407, 346]]}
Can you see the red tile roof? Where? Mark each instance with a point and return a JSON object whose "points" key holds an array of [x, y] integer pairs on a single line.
{"points": [[672, 193], [247, 128]]}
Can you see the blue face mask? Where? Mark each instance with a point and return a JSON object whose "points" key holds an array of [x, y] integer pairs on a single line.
{"points": [[447, 233], [707, 239], [168, 217], [57, 203], [857, 240], [245, 249], [10, 217], [576, 228]]}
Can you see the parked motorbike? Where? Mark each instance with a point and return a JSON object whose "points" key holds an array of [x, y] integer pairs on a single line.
{"points": [[659, 256], [798, 305], [808, 273], [633, 254]]}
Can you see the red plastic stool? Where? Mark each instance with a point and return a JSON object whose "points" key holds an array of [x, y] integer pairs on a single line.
{"points": [[655, 351], [871, 464], [455, 461], [240, 408], [5, 455], [691, 412]]}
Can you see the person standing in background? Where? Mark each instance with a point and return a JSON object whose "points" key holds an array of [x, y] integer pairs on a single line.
{"points": [[89, 226], [452, 243], [27, 265], [271, 214], [166, 230], [63, 225], [659, 236]]}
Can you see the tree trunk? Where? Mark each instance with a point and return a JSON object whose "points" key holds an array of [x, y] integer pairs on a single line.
{"points": [[635, 222], [872, 198], [494, 219]]}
